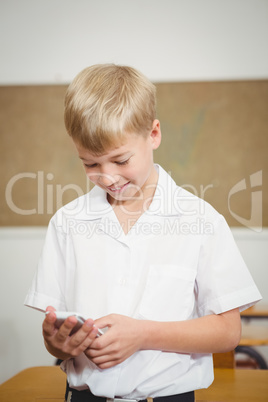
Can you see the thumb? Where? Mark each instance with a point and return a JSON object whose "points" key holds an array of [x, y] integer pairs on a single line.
{"points": [[103, 322], [50, 316], [50, 308]]}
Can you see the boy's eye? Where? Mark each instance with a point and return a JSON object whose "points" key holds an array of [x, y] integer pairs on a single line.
{"points": [[93, 165], [122, 162], [90, 166]]}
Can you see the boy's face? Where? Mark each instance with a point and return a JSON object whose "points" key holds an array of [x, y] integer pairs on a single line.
{"points": [[126, 173]]}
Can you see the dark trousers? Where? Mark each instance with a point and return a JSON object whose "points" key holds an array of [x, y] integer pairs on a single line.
{"points": [[73, 395]]}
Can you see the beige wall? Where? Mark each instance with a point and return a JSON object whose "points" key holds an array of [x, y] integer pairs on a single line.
{"points": [[215, 142]]}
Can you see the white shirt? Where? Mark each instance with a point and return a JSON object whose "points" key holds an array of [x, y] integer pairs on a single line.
{"points": [[179, 261]]}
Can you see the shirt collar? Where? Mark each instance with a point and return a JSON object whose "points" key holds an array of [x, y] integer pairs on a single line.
{"points": [[165, 201]]}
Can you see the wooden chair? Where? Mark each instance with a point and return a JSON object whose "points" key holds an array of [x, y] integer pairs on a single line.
{"points": [[252, 359], [224, 360]]}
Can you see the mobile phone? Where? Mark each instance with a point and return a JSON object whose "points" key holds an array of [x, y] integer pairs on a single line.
{"points": [[62, 315]]}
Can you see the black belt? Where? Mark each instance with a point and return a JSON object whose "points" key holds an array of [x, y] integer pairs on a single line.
{"points": [[72, 395]]}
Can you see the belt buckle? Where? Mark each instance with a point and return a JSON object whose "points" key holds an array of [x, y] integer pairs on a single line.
{"points": [[120, 400]]}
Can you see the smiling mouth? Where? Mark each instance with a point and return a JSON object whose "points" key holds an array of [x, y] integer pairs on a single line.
{"points": [[118, 189]]}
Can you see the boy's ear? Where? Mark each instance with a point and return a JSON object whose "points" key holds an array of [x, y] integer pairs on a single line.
{"points": [[155, 134]]}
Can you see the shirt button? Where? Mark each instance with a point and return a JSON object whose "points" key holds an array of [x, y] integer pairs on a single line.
{"points": [[122, 281]]}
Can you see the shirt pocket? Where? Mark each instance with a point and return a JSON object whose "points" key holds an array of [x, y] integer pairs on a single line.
{"points": [[168, 293]]}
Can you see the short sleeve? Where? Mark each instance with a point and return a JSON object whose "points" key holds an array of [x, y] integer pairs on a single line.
{"points": [[223, 280], [47, 285]]}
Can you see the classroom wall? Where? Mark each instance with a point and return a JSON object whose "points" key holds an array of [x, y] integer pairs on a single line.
{"points": [[46, 42]]}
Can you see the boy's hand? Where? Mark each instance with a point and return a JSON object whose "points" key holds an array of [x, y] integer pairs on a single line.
{"points": [[59, 342], [123, 339]]}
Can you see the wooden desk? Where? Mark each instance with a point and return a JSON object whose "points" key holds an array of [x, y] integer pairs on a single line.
{"points": [[253, 335], [236, 386], [36, 384], [257, 311], [47, 384]]}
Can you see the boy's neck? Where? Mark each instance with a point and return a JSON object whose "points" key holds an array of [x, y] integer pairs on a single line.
{"points": [[129, 211]]}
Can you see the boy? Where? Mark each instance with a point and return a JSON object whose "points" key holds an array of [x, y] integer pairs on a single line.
{"points": [[127, 256]]}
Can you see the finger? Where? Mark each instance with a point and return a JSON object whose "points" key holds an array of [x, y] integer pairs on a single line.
{"points": [[83, 333], [105, 361], [105, 321], [109, 364], [66, 328], [99, 342], [97, 349], [81, 341], [98, 356], [86, 343], [48, 323], [50, 308]]}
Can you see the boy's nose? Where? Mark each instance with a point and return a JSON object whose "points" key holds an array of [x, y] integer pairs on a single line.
{"points": [[106, 180]]}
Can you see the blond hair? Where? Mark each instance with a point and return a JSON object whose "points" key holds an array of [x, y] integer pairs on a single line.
{"points": [[105, 102]]}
